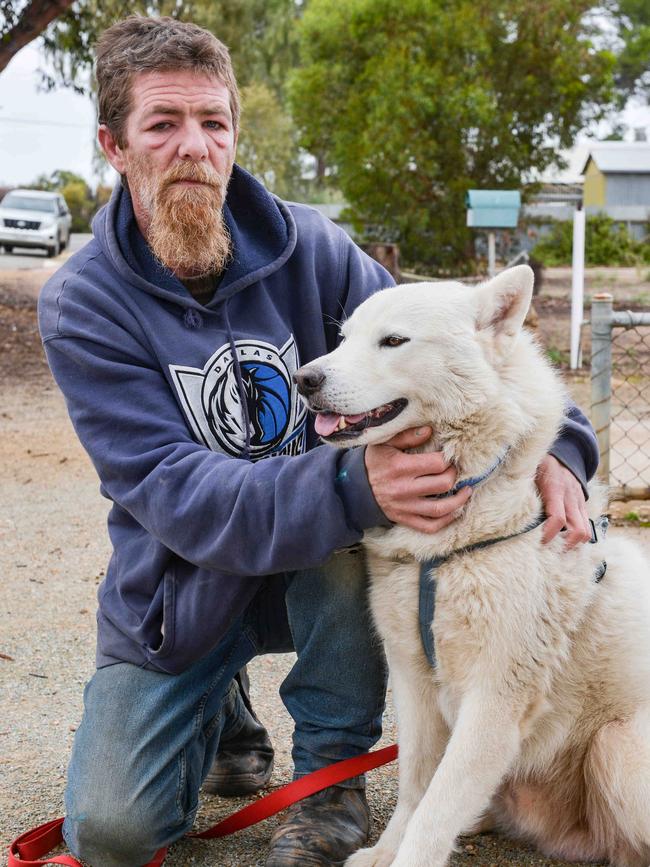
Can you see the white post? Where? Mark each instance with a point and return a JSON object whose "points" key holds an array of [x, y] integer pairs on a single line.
{"points": [[492, 254], [577, 285]]}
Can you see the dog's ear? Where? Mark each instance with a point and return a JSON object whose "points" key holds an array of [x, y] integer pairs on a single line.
{"points": [[503, 303]]}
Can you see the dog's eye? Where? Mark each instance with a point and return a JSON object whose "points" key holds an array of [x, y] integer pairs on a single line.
{"points": [[393, 340]]}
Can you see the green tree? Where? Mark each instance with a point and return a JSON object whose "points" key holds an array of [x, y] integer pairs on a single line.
{"points": [[21, 21], [267, 144], [259, 34], [412, 102], [633, 20]]}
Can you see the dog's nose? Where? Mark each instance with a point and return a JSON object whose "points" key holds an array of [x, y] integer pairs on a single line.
{"points": [[308, 380]]}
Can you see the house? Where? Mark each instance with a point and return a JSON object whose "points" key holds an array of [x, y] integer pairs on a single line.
{"points": [[617, 182]]}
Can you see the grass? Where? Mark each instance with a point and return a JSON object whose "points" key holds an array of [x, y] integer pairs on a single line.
{"points": [[635, 518], [558, 357]]}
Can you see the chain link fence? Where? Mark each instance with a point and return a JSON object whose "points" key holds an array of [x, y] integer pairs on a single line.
{"points": [[620, 397]]}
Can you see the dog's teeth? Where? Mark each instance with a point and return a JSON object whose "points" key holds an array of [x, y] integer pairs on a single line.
{"points": [[341, 425]]}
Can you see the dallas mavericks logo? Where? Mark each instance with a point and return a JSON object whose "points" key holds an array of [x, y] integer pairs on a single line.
{"points": [[212, 400]]}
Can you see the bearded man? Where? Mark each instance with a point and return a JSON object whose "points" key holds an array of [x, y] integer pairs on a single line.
{"points": [[174, 335]]}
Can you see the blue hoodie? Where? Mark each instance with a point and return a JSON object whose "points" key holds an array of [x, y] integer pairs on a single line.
{"points": [[176, 403]]}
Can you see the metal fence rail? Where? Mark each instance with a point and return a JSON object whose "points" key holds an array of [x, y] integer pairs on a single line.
{"points": [[620, 397]]}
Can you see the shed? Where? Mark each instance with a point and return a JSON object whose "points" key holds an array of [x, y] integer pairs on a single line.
{"points": [[617, 181]]}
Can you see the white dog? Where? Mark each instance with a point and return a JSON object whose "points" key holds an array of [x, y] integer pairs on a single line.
{"points": [[536, 717]]}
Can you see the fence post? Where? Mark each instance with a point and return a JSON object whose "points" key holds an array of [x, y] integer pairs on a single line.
{"points": [[601, 375]]}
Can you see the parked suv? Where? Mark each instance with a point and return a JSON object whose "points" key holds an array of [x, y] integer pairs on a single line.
{"points": [[34, 218]]}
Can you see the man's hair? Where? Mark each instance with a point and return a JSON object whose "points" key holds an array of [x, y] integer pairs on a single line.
{"points": [[138, 44]]}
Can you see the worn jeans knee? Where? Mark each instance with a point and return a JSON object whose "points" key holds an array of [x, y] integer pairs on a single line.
{"points": [[111, 835], [141, 752]]}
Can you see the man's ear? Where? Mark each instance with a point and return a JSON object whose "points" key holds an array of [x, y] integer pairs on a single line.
{"points": [[113, 152], [503, 303]]}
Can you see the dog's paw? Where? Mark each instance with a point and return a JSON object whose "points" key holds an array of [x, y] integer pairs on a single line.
{"points": [[377, 856]]}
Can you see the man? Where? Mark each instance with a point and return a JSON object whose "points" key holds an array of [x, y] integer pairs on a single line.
{"points": [[174, 335]]}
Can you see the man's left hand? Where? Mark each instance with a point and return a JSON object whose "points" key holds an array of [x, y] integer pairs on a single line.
{"points": [[564, 503]]}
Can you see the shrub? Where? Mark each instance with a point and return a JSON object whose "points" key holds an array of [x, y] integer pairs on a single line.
{"points": [[606, 243]]}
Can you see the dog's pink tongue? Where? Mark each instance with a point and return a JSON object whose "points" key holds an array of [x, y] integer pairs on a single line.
{"points": [[326, 423]]}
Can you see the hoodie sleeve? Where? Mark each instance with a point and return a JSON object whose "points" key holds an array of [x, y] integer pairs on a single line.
{"points": [[577, 446], [215, 511]]}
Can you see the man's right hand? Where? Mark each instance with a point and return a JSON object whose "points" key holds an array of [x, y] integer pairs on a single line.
{"points": [[402, 483]]}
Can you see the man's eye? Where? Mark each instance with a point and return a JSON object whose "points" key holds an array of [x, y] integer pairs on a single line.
{"points": [[214, 124], [393, 340], [159, 127]]}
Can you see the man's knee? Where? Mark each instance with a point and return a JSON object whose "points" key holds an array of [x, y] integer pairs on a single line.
{"points": [[115, 837], [110, 823]]}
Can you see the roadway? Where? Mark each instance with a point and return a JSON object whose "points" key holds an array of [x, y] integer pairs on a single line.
{"points": [[24, 258]]}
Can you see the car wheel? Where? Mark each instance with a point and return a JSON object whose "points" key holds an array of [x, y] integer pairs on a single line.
{"points": [[8, 248], [64, 241], [55, 250]]}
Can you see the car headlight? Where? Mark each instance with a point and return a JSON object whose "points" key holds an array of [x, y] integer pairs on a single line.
{"points": [[48, 222]]}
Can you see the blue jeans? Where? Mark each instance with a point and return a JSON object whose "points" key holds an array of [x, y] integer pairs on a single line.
{"points": [[147, 739]]}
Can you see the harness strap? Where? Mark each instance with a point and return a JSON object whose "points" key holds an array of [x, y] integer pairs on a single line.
{"points": [[427, 588], [474, 480], [427, 592]]}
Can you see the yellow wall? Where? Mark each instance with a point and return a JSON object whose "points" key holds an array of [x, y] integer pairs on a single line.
{"points": [[594, 187]]}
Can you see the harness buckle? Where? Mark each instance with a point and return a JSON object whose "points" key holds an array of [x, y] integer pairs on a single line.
{"points": [[601, 524]]}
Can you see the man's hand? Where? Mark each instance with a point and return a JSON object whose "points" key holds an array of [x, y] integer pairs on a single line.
{"points": [[564, 503], [402, 482]]}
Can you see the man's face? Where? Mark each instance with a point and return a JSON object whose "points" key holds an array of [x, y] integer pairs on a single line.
{"points": [[177, 157]]}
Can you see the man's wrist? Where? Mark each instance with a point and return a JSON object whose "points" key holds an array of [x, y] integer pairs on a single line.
{"points": [[361, 508], [570, 456]]}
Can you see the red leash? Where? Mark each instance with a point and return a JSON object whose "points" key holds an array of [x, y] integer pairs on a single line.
{"points": [[39, 841]]}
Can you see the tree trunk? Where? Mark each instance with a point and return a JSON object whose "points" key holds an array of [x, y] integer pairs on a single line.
{"points": [[32, 22]]}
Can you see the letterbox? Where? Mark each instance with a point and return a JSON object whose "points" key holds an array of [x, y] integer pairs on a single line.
{"points": [[493, 209]]}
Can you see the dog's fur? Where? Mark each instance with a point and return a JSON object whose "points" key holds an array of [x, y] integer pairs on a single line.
{"points": [[536, 719]]}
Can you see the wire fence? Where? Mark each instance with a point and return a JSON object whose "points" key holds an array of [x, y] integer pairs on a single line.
{"points": [[620, 397]]}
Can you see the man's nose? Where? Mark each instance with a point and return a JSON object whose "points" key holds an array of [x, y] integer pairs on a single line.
{"points": [[308, 380], [193, 144]]}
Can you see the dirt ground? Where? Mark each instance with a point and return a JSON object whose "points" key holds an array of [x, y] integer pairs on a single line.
{"points": [[54, 550]]}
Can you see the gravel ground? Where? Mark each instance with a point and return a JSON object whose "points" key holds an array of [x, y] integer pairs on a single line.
{"points": [[54, 548]]}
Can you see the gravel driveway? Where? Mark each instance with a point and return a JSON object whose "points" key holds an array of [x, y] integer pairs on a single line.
{"points": [[54, 548]]}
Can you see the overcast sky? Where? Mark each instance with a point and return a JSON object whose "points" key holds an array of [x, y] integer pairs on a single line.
{"points": [[42, 132]]}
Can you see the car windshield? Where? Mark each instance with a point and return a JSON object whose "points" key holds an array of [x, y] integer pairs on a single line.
{"points": [[27, 203]]}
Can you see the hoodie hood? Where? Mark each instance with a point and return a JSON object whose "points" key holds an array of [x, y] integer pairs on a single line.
{"points": [[262, 229]]}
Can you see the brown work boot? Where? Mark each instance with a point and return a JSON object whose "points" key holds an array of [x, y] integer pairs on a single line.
{"points": [[322, 830], [244, 761]]}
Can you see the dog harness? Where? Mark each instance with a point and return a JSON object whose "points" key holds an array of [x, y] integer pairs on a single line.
{"points": [[427, 590]]}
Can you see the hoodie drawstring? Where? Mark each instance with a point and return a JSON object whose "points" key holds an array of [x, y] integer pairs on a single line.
{"points": [[241, 388]]}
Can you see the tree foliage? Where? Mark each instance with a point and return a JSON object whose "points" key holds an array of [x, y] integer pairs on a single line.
{"points": [[259, 34], [632, 18], [21, 21], [413, 102], [268, 146]]}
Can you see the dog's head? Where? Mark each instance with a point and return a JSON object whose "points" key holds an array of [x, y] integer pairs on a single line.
{"points": [[424, 353]]}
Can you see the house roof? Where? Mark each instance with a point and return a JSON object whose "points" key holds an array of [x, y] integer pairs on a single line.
{"points": [[620, 156]]}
